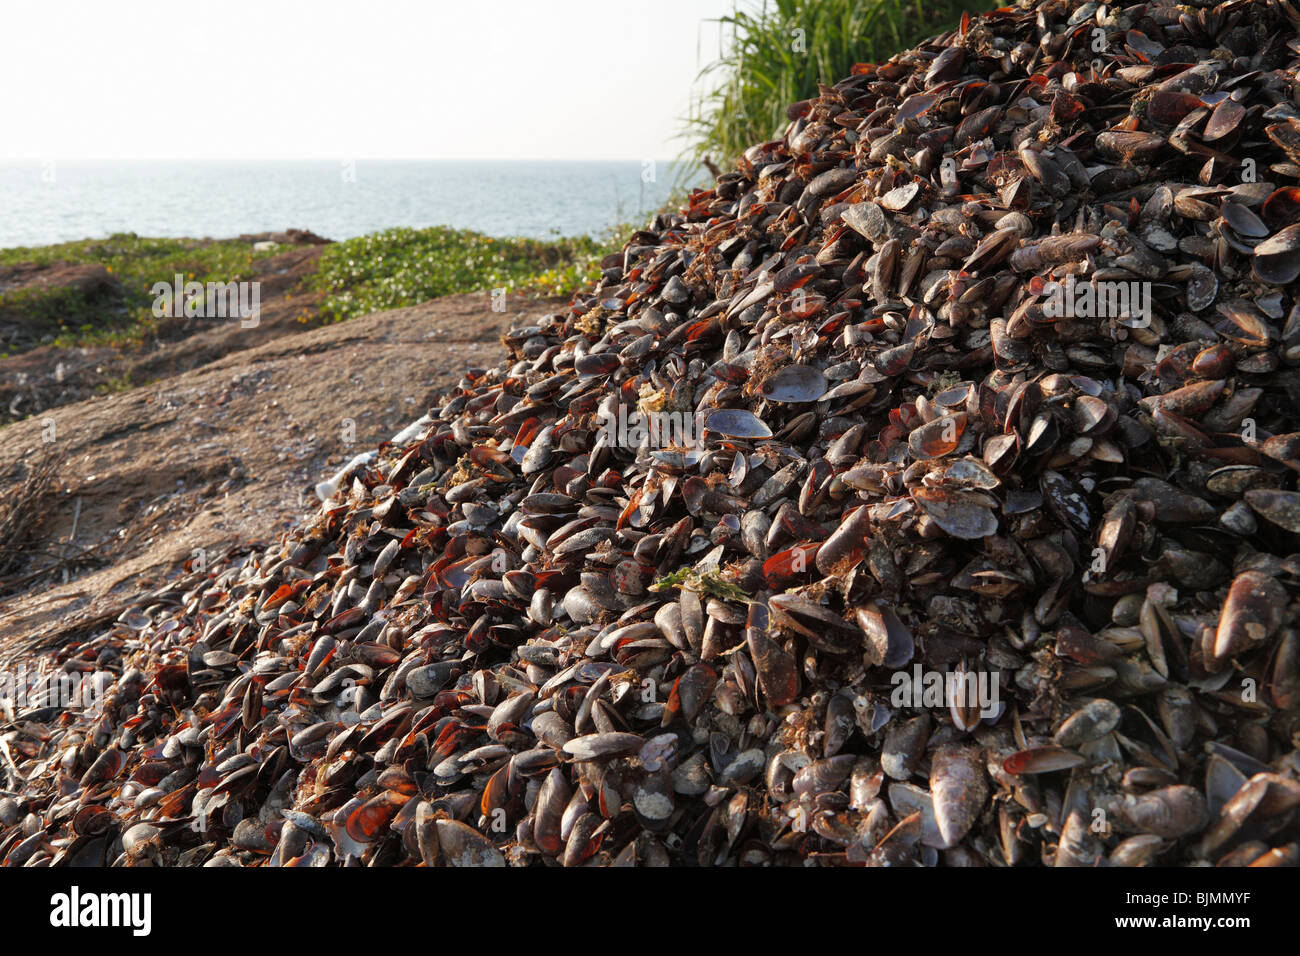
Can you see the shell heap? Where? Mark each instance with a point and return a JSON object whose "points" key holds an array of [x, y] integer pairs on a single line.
{"points": [[518, 635]]}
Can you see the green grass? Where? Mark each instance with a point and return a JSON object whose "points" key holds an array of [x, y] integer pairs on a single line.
{"points": [[766, 66], [65, 318], [402, 267]]}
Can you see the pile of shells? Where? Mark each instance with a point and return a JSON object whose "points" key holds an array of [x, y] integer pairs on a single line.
{"points": [[527, 631]]}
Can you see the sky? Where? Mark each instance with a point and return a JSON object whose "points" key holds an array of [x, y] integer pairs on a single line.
{"points": [[339, 79]]}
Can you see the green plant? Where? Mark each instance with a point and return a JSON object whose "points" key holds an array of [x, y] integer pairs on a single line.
{"points": [[778, 55], [46, 306], [114, 384], [402, 267], [709, 583]]}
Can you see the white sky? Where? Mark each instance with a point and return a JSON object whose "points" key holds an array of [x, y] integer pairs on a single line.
{"points": [[390, 79]]}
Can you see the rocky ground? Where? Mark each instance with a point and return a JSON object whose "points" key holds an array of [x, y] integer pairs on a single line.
{"points": [[220, 449]]}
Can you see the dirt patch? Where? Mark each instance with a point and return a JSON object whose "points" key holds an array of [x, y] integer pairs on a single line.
{"points": [[223, 454]]}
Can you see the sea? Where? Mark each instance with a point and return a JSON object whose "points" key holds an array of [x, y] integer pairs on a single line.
{"points": [[45, 202]]}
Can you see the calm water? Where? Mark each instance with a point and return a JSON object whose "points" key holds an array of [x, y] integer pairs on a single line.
{"points": [[45, 203]]}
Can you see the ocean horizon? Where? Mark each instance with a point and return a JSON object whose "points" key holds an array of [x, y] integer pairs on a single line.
{"points": [[47, 202]]}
